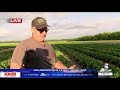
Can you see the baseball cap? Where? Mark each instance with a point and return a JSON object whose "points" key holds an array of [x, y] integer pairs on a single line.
{"points": [[39, 23]]}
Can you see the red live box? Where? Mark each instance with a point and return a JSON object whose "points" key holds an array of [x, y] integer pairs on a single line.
{"points": [[15, 20]]}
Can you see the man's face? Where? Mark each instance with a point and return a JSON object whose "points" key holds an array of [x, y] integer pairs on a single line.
{"points": [[40, 34]]}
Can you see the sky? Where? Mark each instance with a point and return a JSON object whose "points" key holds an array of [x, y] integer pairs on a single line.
{"points": [[64, 25]]}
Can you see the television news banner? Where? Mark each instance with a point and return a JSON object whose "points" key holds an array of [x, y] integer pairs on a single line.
{"points": [[53, 73]]}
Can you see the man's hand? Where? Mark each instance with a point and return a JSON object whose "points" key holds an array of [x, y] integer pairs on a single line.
{"points": [[15, 66], [72, 67]]}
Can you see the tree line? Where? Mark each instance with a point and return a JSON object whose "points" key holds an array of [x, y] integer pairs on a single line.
{"points": [[100, 36]]}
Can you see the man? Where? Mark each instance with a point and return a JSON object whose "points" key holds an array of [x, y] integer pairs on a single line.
{"points": [[35, 52]]}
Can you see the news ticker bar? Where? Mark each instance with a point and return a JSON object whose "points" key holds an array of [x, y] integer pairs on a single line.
{"points": [[48, 73]]}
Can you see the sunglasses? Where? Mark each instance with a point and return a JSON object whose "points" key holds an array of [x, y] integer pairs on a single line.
{"points": [[42, 30]]}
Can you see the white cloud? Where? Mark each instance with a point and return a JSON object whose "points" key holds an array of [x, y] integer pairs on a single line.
{"points": [[3, 32], [63, 24]]}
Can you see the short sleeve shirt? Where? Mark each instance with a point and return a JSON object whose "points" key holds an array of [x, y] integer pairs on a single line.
{"points": [[33, 54]]}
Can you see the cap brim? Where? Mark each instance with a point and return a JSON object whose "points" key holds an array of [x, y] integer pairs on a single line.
{"points": [[43, 26]]}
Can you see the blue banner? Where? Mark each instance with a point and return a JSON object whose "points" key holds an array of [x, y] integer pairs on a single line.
{"points": [[48, 73]]}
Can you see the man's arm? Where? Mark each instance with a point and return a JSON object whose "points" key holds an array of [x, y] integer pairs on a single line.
{"points": [[16, 61], [60, 65]]}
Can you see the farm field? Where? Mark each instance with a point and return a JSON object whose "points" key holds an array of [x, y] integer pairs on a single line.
{"points": [[85, 54]]}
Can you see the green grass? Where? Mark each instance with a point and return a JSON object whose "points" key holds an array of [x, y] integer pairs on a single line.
{"points": [[8, 44]]}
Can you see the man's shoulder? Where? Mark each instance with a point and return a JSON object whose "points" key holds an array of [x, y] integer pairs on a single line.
{"points": [[49, 45], [25, 41]]}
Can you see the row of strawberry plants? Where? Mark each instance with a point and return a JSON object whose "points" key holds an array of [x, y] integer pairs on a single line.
{"points": [[98, 55], [5, 59], [82, 59], [105, 46], [5, 64], [5, 55], [110, 47], [115, 69], [102, 50], [114, 53]]}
